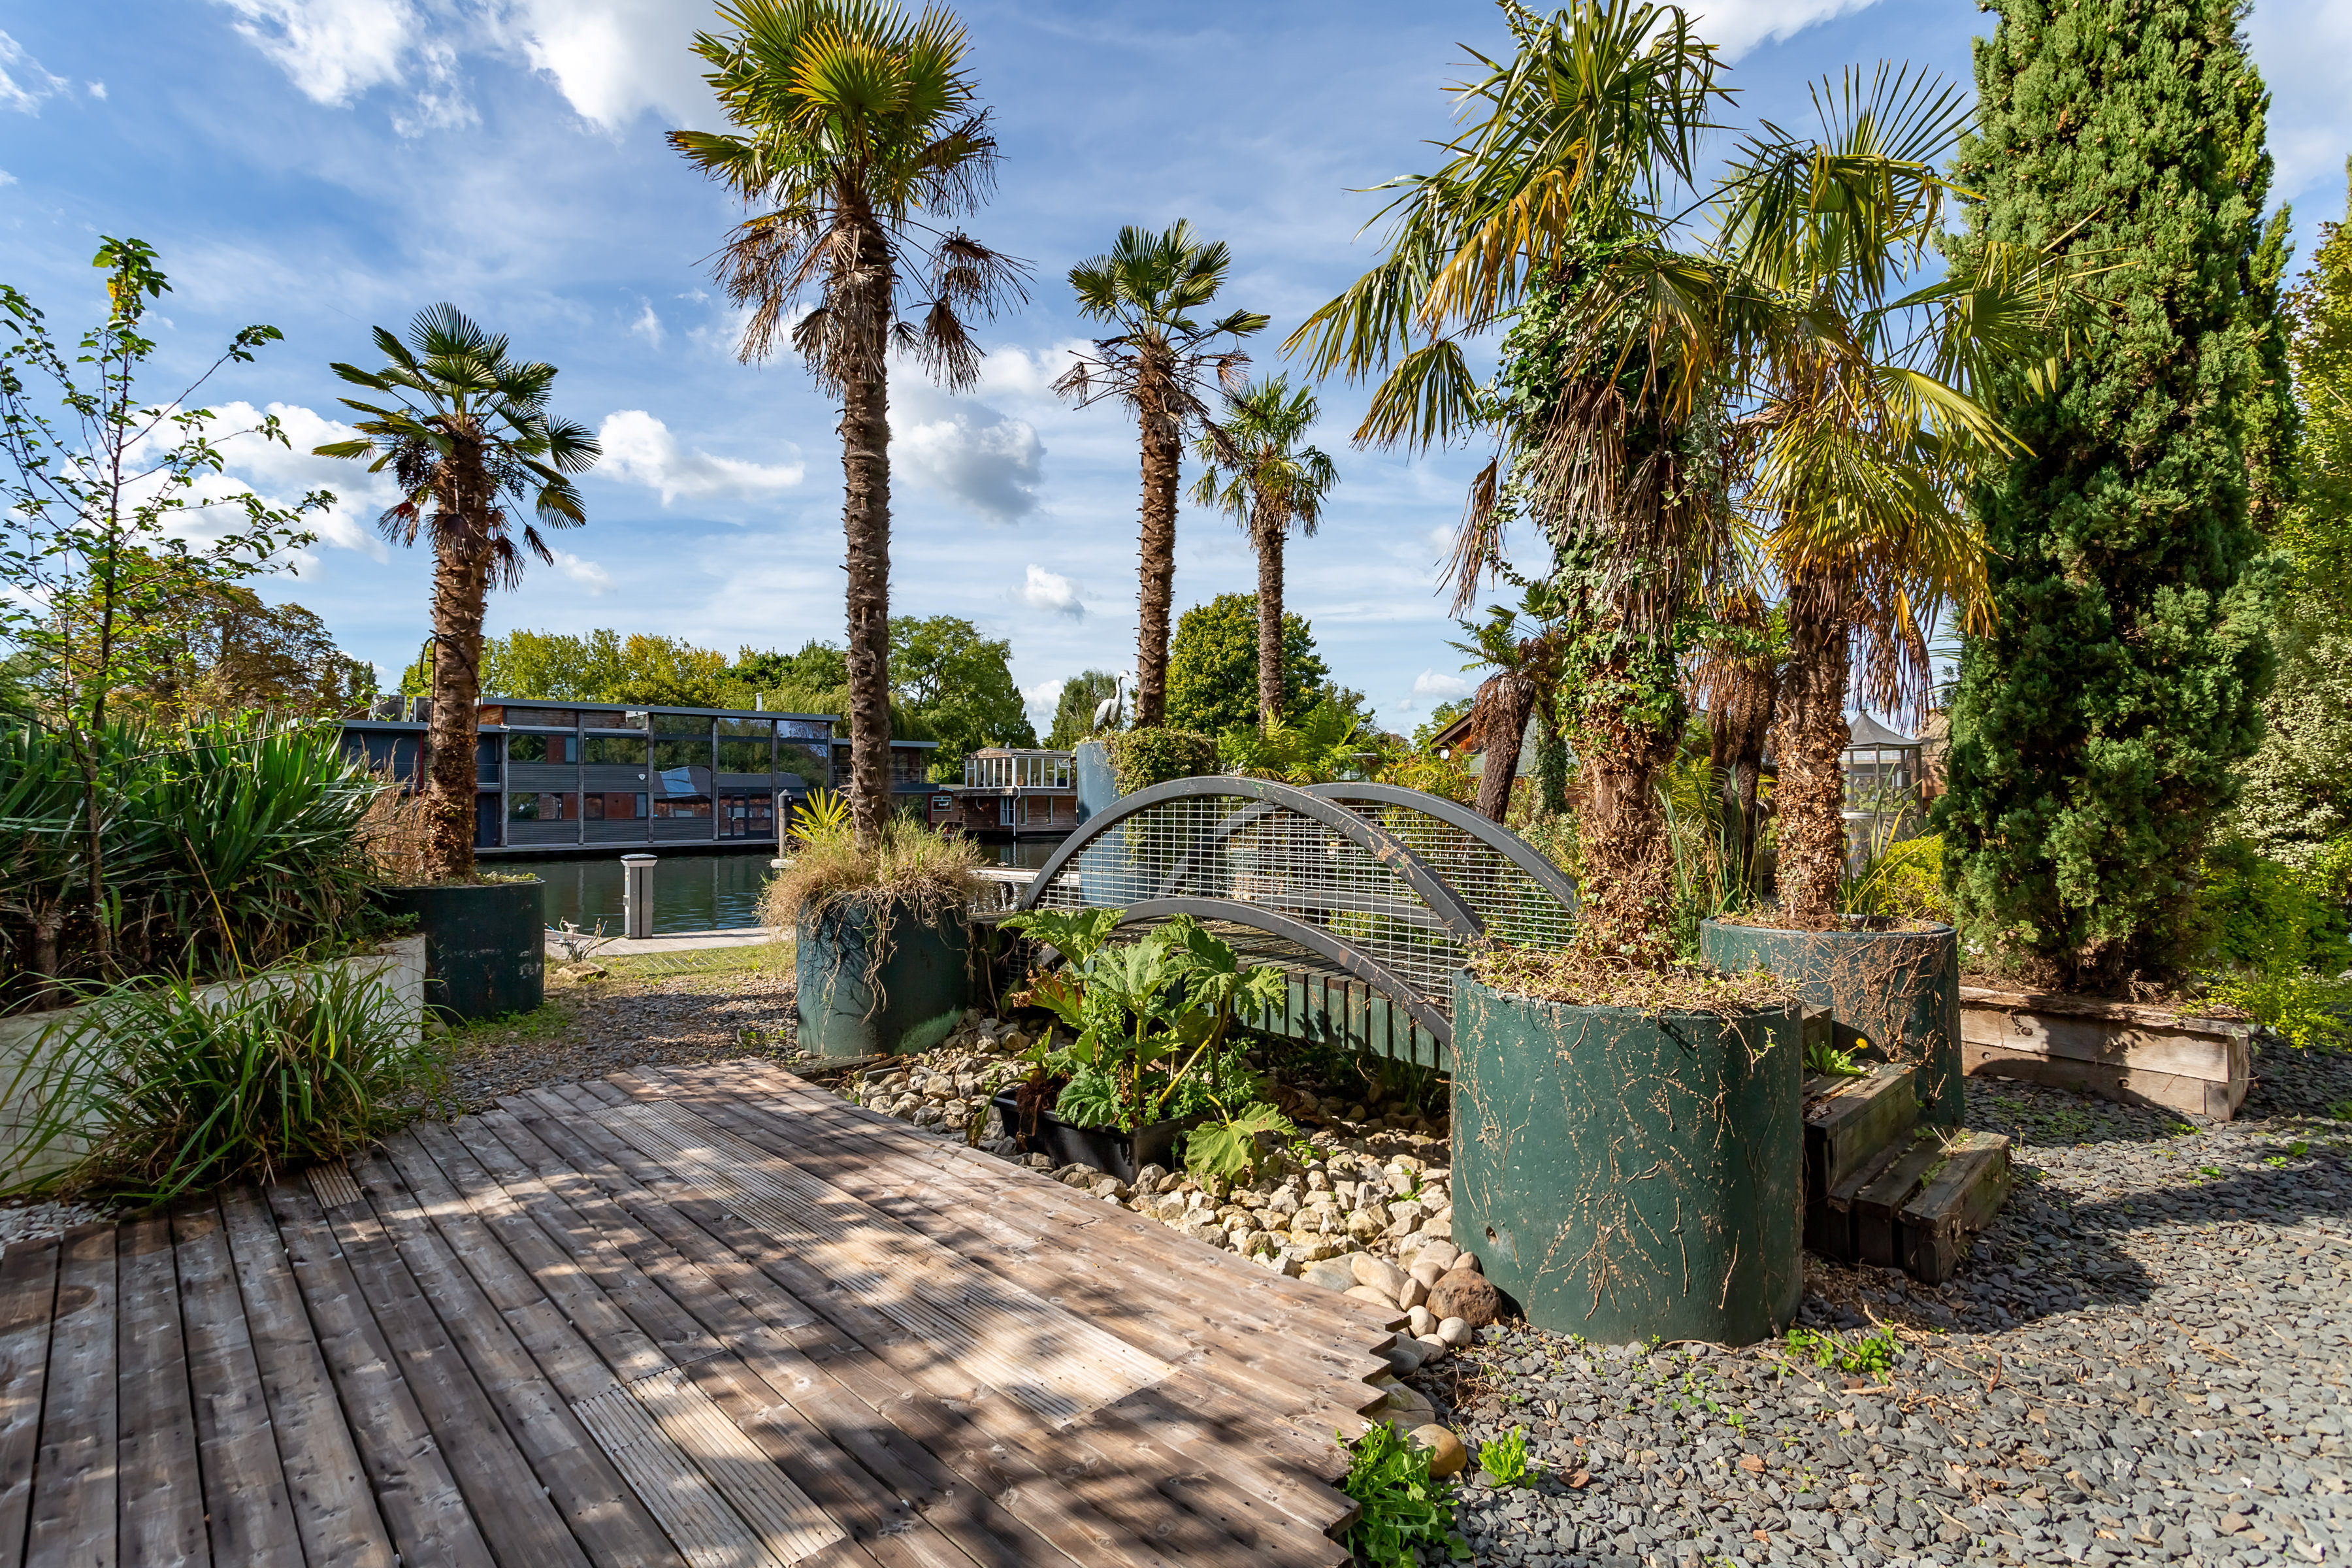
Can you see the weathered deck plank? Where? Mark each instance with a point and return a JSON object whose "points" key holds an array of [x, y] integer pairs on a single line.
{"points": [[688, 1319]]}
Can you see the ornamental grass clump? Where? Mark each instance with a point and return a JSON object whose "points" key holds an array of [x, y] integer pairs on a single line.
{"points": [[1575, 978], [177, 1088], [908, 873]]}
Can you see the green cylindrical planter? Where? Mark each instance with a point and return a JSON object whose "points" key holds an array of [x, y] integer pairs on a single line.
{"points": [[1897, 990], [1626, 1175], [484, 945], [851, 1005]]}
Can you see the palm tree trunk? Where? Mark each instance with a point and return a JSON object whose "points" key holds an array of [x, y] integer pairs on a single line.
{"points": [[865, 530], [1808, 738], [1625, 889], [1738, 730], [461, 587], [1269, 626], [1505, 700], [1164, 443]]}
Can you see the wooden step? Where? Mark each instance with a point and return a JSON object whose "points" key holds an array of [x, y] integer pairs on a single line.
{"points": [[1959, 1195], [1851, 1120]]}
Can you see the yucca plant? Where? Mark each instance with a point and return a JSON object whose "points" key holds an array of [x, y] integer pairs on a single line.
{"points": [[162, 1089]]}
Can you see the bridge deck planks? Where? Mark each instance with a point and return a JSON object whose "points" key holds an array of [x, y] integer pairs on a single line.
{"points": [[534, 1337]]}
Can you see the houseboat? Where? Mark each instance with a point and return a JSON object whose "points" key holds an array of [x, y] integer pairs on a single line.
{"points": [[1009, 793], [555, 777]]}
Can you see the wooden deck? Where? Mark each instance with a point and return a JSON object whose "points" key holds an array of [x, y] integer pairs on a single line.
{"points": [[716, 1318]]}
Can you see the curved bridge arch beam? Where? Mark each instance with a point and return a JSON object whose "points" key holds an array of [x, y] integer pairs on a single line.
{"points": [[1431, 1018], [1494, 835], [1384, 847]]}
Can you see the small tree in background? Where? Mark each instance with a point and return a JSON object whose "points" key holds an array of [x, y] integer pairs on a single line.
{"points": [[466, 434], [959, 684], [1148, 284], [1213, 667], [98, 495], [2298, 799], [1271, 483], [2099, 723]]}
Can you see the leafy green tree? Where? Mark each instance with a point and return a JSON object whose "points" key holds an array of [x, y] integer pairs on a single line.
{"points": [[1074, 710], [1270, 484], [1147, 285], [2298, 798], [2100, 721], [97, 546], [860, 138], [1213, 673], [465, 433], [959, 684]]}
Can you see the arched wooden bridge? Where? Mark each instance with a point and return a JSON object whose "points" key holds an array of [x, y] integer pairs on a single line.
{"points": [[1369, 894]]}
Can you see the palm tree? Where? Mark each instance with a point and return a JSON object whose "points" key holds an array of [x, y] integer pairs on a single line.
{"points": [[858, 134], [1864, 427], [1270, 484], [1148, 284], [1548, 213], [1733, 675], [467, 439]]}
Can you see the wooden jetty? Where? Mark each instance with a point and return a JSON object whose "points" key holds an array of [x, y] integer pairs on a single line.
{"points": [[712, 1316]]}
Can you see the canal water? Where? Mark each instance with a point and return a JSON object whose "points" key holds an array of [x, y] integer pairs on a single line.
{"points": [[698, 892]]}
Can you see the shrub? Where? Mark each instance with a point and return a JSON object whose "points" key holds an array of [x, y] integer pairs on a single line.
{"points": [[222, 850], [174, 1090], [2279, 938], [910, 868], [1154, 754]]}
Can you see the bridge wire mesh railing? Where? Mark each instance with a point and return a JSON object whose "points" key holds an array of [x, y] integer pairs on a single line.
{"points": [[1272, 857]]}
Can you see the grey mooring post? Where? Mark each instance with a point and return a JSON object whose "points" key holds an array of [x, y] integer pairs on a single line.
{"points": [[637, 895]]}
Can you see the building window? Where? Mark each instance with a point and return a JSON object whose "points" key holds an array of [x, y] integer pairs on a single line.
{"points": [[543, 807], [615, 806], [535, 717], [691, 805], [542, 748], [742, 756], [668, 754], [617, 751]]}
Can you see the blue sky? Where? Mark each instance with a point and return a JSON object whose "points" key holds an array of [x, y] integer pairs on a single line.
{"points": [[324, 165]]}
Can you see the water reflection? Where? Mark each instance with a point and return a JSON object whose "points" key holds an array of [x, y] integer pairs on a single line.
{"points": [[701, 892]]}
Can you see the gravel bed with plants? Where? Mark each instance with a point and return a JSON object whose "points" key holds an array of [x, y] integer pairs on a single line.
{"points": [[2148, 1358]]}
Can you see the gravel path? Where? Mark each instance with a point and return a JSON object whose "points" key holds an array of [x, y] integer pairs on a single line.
{"points": [[2148, 1358], [665, 1012]]}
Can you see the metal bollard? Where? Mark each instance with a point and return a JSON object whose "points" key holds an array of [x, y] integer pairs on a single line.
{"points": [[637, 895]]}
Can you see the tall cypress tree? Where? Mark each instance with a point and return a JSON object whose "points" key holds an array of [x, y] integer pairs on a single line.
{"points": [[2097, 728]]}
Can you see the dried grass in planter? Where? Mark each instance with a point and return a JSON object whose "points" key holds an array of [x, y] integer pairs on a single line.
{"points": [[1574, 979]]}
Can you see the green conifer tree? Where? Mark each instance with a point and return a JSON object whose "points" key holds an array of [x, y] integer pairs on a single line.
{"points": [[2099, 728]]}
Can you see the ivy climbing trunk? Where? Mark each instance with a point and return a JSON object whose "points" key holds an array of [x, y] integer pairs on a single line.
{"points": [[1626, 890]]}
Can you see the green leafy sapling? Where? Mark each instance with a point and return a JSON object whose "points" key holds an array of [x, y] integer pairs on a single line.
{"points": [[1505, 1458], [1403, 1507]]}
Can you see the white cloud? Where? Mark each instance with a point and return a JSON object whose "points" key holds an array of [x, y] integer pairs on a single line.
{"points": [[1737, 27], [283, 474], [1042, 700], [23, 82], [1440, 688], [97, 89], [6, 178], [587, 573], [647, 325], [1014, 372], [1050, 590], [989, 461], [617, 60], [330, 49], [640, 449]]}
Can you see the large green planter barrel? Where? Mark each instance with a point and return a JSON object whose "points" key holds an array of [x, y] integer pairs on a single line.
{"points": [[1625, 1174], [867, 992], [1898, 990], [484, 945]]}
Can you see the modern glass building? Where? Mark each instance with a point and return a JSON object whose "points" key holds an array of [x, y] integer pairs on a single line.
{"points": [[551, 777]]}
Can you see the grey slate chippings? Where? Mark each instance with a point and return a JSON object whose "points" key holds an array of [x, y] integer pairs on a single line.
{"points": [[2149, 1359]]}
